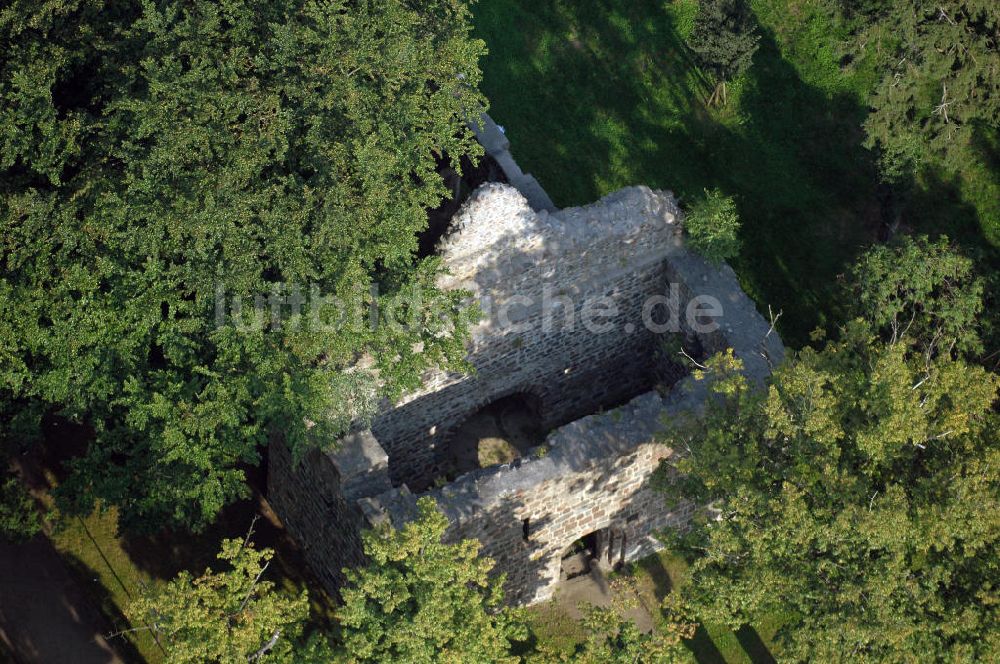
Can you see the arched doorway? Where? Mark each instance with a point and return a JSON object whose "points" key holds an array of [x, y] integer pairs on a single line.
{"points": [[497, 433], [604, 548]]}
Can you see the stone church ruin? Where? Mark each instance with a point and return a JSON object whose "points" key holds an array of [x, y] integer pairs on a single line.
{"points": [[564, 415]]}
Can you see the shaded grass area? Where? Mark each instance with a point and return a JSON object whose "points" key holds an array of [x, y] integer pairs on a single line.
{"points": [[600, 94], [751, 644], [92, 550], [113, 569]]}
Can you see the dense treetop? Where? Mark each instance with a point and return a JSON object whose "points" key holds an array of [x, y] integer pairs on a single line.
{"points": [[157, 155], [940, 65], [233, 615], [858, 497], [424, 600]]}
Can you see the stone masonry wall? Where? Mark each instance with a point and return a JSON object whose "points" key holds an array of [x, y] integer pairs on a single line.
{"points": [[320, 500], [595, 476], [595, 473], [541, 269]]}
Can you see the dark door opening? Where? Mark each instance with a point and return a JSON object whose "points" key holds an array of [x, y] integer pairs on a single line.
{"points": [[604, 548]]}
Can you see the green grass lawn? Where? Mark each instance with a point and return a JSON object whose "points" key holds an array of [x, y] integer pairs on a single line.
{"points": [[600, 94]]}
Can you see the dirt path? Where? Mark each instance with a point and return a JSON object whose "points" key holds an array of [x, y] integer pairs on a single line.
{"points": [[44, 615]]}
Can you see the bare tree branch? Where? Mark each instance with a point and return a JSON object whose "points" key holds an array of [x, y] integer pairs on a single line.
{"points": [[264, 649]]}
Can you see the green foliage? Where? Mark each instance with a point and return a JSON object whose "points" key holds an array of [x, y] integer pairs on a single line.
{"points": [[724, 37], [422, 600], [614, 640], [713, 226], [230, 616], [859, 496], [939, 81], [19, 518], [921, 290], [685, 12], [156, 156]]}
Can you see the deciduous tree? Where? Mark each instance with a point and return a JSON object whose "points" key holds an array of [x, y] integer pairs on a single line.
{"points": [[922, 291], [421, 600], [859, 497], [19, 517], [161, 162], [231, 616]]}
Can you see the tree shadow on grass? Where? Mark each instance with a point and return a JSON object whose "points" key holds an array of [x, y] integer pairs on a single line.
{"points": [[124, 644], [53, 609], [754, 646], [704, 647], [164, 554], [602, 94]]}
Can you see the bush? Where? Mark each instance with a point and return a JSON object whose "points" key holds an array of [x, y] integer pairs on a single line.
{"points": [[19, 519], [713, 226]]}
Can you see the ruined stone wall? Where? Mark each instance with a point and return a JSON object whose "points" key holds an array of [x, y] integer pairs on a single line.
{"points": [[325, 522], [535, 274], [596, 470], [321, 501], [612, 493], [596, 475]]}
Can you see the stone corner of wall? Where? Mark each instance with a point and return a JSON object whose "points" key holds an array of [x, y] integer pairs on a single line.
{"points": [[361, 463]]}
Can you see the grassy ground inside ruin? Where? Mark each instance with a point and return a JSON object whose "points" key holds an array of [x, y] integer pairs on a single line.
{"points": [[600, 94]]}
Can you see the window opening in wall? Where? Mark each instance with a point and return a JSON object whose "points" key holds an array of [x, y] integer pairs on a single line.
{"points": [[498, 433]]}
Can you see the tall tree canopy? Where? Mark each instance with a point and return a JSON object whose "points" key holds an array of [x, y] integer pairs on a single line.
{"points": [[940, 79], [859, 497], [421, 600], [923, 291], [231, 616], [160, 158]]}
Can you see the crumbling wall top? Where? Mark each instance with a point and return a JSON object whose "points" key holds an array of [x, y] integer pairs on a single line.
{"points": [[496, 232]]}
